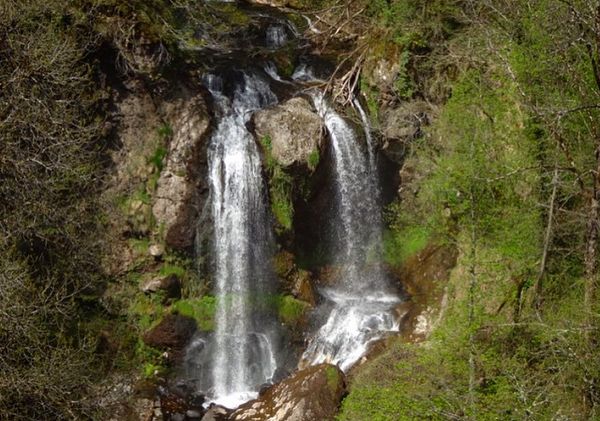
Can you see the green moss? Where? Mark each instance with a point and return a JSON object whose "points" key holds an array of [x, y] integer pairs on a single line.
{"points": [[281, 203], [145, 311], [151, 369], [280, 188], [170, 269], [283, 263], [400, 244], [202, 310], [404, 86], [165, 131], [290, 310], [143, 196], [157, 158], [139, 246], [371, 95], [149, 359], [313, 159], [333, 378]]}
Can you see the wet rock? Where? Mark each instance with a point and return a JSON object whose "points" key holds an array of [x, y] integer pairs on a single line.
{"points": [[170, 284], [303, 289], [295, 131], [312, 394], [180, 401], [193, 414], [174, 200], [216, 413], [172, 334], [296, 281]]}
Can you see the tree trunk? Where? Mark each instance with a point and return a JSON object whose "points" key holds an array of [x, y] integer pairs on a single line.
{"points": [[591, 242]]}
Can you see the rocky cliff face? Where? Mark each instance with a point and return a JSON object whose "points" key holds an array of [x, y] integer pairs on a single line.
{"points": [[181, 187]]}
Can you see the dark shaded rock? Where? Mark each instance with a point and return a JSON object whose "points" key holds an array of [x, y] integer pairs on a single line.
{"points": [[312, 394], [173, 333], [196, 400], [279, 374], [303, 289], [180, 401]]}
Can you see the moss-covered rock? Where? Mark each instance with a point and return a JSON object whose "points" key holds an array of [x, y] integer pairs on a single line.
{"points": [[201, 310]]}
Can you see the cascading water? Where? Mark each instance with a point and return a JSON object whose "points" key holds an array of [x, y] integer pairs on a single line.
{"points": [[361, 304], [240, 356], [276, 36]]}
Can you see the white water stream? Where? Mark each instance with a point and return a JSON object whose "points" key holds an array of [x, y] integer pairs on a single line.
{"points": [[242, 354], [361, 304]]}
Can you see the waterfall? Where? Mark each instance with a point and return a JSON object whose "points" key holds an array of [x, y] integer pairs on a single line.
{"points": [[241, 353], [361, 304], [276, 36], [230, 364]]}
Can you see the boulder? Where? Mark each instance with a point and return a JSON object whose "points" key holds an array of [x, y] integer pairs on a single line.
{"points": [[295, 131], [175, 200], [169, 284], [180, 401], [172, 334], [404, 123], [216, 413], [312, 394]]}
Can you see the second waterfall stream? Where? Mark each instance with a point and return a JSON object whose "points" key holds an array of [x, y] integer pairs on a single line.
{"points": [[361, 303]]}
